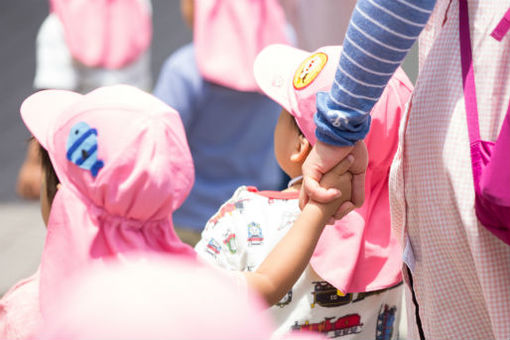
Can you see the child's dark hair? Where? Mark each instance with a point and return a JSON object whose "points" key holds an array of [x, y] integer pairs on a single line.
{"points": [[51, 177]]}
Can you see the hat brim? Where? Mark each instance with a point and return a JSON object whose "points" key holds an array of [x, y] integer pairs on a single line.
{"points": [[41, 110], [274, 69]]}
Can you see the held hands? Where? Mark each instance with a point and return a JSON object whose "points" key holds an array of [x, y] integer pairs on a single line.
{"points": [[338, 178], [287, 261], [322, 159]]}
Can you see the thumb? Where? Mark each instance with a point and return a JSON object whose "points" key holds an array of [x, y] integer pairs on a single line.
{"points": [[314, 191], [303, 198]]}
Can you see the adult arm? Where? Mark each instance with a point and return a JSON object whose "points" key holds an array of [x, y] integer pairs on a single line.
{"points": [[379, 36]]}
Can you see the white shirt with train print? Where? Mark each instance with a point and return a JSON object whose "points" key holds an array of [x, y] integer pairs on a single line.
{"points": [[244, 231]]}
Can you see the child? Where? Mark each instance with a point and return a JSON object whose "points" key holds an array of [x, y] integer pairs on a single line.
{"points": [[352, 287], [82, 45], [116, 168], [210, 83]]}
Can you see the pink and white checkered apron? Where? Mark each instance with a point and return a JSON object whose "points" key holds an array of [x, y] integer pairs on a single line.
{"points": [[460, 271]]}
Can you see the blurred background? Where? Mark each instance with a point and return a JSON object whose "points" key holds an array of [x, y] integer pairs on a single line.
{"points": [[22, 231]]}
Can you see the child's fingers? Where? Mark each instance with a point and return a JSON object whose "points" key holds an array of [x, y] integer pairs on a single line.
{"points": [[358, 190], [328, 189], [342, 183], [340, 178], [343, 166], [330, 179], [318, 163]]}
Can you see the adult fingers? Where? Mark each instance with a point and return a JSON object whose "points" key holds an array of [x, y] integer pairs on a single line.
{"points": [[312, 189], [321, 159], [303, 198], [344, 209], [358, 189]]}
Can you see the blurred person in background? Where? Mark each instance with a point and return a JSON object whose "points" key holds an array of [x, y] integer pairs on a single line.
{"points": [[82, 45], [228, 122], [318, 23]]}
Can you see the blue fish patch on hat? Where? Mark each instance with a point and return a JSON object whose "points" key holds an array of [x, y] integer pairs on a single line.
{"points": [[82, 148]]}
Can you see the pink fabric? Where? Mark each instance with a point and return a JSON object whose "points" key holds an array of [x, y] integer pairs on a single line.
{"points": [[19, 310], [493, 202], [105, 33], [228, 35], [359, 253], [147, 173], [162, 298], [499, 194]]}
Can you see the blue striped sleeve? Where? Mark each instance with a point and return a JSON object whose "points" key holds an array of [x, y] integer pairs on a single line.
{"points": [[380, 34]]}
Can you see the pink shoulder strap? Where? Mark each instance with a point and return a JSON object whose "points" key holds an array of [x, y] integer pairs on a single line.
{"points": [[468, 75], [502, 28]]}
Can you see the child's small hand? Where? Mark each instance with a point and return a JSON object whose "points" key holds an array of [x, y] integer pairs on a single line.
{"points": [[287, 261], [338, 178]]}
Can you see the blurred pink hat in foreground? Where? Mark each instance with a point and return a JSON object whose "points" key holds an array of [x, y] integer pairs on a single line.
{"points": [[124, 165], [156, 298], [228, 35]]}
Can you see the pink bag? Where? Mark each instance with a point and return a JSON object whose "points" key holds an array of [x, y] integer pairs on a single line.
{"points": [[490, 160], [105, 33]]}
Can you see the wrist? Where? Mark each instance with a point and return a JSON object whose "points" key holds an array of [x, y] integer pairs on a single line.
{"points": [[319, 214]]}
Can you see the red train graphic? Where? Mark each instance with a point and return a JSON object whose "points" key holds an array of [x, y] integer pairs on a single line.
{"points": [[227, 208], [213, 247], [348, 324]]}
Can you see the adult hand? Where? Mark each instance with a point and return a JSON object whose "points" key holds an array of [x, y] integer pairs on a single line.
{"points": [[324, 157]]}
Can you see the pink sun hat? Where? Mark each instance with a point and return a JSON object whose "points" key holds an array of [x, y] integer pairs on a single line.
{"points": [[156, 298], [105, 33], [359, 253], [228, 35], [124, 165]]}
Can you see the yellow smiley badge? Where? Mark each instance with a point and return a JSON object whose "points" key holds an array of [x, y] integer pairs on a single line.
{"points": [[309, 70]]}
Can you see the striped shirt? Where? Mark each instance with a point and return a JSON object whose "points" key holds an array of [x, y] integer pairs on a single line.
{"points": [[380, 35]]}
